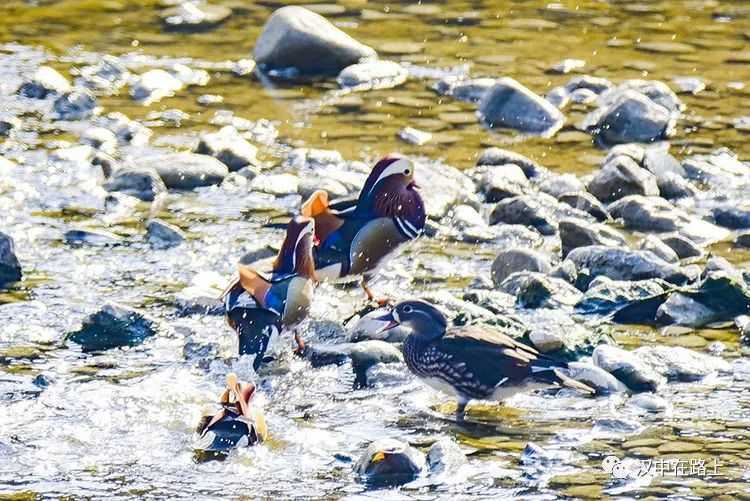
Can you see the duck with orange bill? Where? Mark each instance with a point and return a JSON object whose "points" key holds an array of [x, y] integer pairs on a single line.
{"points": [[355, 236], [259, 307], [238, 424]]}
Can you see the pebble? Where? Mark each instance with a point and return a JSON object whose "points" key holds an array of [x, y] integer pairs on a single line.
{"points": [[229, 147], [162, 235], [372, 75], [414, 136], [97, 238], [143, 183], [45, 81], [154, 85], [74, 105], [194, 17]]}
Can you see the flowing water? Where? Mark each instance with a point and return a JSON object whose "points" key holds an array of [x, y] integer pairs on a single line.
{"points": [[120, 423]]}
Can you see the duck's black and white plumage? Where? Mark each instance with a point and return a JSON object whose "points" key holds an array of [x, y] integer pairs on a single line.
{"points": [[259, 307], [355, 236], [472, 362]]}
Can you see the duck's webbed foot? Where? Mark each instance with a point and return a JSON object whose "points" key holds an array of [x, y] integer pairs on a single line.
{"points": [[383, 301]]}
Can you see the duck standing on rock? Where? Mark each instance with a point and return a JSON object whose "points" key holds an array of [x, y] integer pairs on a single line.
{"points": [[472, 362], [259, 307], [357, 235], [237, 425]]}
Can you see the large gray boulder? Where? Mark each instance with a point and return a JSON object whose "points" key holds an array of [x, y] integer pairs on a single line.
{"points": [[509, 104], [620, 263], [10, 268], [621, 177], [185, 171], [628, 117], [510, 261], [298, 42], [576, 233]]}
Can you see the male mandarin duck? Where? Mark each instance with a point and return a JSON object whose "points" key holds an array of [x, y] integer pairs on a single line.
{"points": [[237, 425], [356, 235], [259, 307], [472, 362]]}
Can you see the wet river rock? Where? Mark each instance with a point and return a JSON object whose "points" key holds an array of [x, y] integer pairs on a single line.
{"points": [[605, 296], [681, 364], [597, 378], [585, 202], [620, 177], [372, 75], [510, 261], [143, 183], [44, 82], [576, 233], [620, 263], [10, 268], [74, 105], [363, 355], [537, 290], [162, 235], [390, 462], [525, 210], [657, 246], [185, 171], [194, 17], [628, 368], [229, 147], [298, 42], [629, 116], [113, 326], [499, 156], [511, 105]]}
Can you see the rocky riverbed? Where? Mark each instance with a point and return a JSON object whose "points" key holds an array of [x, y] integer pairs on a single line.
{"points": [[588, 196]]}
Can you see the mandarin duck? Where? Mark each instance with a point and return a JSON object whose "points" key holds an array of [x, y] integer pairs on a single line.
{"points": [[258, 308], [355, 236], [472, 362], [237, 424]]}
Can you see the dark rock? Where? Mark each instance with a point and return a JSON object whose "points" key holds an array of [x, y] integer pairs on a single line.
{"points": [[510, 104], [75, 105], [628, 368], [471, 90], [127, 131], [10, 268], [298, 42], [194, 17], [109, 74], [229, 147], [525, 210], [576, 233], [143, 183], [621, 177], [630, 117], [655, 214], [594, 84], [680, 309], [658, 247], [96, 238], [45, 81], [501, 182], [536, 290], [390, 462], [558, 185], [498, 156], [673, 187], [624, 264], [720, 168], [565, 270], [363, 355], [681, 364], [587, 203], [8, 124], [445, 457], [185, 171], [372, 75], [162, 235], [606, 296], [742, 239], [658, 92], [733, 217], [510, 261], [113, 326], [682, 246], [595, 377]]}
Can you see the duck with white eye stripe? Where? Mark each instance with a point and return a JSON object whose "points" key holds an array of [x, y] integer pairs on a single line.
{"points": [[258, 308], [472, 362], [357, 235]]}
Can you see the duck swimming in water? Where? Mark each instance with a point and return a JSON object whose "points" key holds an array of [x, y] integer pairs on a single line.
{"points": [[238, 424], [259, 307], [472, 362], [357, 235]]}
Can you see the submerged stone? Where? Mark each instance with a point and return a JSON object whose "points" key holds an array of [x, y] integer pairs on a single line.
{"points": [[372, 75], [390, 462], [113, 326]]}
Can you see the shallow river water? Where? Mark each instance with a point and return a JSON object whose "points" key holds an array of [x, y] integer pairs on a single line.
{"points": [[120, 423]]}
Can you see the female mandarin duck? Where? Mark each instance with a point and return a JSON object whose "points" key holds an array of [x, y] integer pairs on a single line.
{"points": [[356, 235], [238, 424], [472, 362], [258, 308]]}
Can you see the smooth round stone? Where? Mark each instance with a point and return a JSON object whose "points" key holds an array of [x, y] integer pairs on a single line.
{"points": [[399, 47]]}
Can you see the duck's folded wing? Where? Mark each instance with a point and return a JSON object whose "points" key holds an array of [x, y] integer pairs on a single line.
{"points": [[328, 218], [254, 283]]}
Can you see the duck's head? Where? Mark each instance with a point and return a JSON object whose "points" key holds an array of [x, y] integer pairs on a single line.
{"points": [[390, 190], [295, 255], [424, 319]]}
